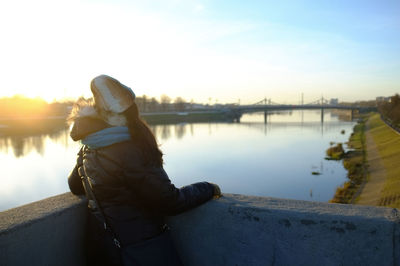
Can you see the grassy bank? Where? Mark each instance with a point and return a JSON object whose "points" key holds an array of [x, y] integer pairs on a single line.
{"points": [[354, 161], [387, 143]]}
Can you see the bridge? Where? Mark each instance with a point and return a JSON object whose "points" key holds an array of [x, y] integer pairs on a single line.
{"points": [[266, 105]]}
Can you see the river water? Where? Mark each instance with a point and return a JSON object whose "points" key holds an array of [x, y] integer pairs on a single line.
{"points": [[252, 157]]}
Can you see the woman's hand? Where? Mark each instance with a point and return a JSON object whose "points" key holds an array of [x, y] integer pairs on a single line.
{"points": [[217, 191]]}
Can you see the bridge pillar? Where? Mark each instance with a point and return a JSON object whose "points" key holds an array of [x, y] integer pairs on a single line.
{"points": [[322, 115], [237, 117], [265, 117]]}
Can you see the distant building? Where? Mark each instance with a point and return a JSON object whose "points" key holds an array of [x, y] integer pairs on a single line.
{"points": [[382, 99], [198, 106], [334, 101]]}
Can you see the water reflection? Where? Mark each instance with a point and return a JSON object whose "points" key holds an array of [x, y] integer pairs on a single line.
{"points": [[251, 157], [23, 145]]}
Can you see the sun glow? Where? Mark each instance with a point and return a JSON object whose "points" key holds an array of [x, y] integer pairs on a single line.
{"points": [[22, 106]]}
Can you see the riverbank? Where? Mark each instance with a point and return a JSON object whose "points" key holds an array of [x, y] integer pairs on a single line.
{"points": [[383, 154], [186, 117], [355, 163], [373, 170], [19, 125], [27, 126], [35, 125]]}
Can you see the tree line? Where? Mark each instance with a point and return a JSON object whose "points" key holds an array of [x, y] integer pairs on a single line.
{"points": [[147, 104], [21, 106], [390, 110]]}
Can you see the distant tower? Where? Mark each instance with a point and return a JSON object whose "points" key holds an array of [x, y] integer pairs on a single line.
{"points": [[302, 98]]}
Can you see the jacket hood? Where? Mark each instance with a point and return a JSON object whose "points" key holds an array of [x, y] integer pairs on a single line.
{"points": [[85, 120]]}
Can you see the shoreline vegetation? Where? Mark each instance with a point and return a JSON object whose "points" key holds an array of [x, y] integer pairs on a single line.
{"points": [[335, 152], [354, 161]]}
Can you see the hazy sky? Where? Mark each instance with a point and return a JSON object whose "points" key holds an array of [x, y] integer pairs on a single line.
{"points": [[226, 50]]}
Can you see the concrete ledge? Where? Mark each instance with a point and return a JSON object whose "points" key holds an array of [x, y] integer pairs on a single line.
{"points": [[46, 232], [245, 230], [234, 230]]}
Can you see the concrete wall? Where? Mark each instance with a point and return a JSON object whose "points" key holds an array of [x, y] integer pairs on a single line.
{"points": [[234, 230], [243, 230], [47, 232]]}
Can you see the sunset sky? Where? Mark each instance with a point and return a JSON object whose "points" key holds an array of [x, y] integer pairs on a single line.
{"points": [[223, 50]]}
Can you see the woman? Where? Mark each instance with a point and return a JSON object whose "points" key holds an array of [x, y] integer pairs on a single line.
{"points": [[129, 192]]}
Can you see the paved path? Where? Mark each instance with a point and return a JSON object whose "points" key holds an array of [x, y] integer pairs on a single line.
{"points": [[371, 192]]}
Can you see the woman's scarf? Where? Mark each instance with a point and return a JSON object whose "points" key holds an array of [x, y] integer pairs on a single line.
{"points": [[106, 137]]}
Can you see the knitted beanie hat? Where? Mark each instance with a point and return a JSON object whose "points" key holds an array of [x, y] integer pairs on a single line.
{"points": [[111, 98]]}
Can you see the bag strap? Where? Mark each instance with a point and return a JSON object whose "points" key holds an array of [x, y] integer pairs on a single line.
{"points": [[95, 206]]}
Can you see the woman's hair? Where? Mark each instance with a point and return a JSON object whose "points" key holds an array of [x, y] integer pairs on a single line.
{"points": [[143, 137]]}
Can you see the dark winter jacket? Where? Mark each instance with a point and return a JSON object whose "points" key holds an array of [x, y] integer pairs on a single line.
{"points": [[134, 196]]}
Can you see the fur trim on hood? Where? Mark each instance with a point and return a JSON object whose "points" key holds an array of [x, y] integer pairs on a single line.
{"points": [[85, 119], [86, 108], [83, 108]]}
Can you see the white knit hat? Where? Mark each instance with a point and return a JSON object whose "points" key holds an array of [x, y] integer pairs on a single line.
{"points": [[111, 98]]}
